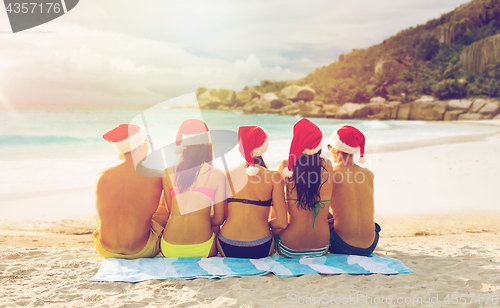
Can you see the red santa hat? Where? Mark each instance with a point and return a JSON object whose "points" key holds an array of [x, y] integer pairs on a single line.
{"points": [[126, 137], [253, 142], [306, 140], [191, 132], [349, 140]]}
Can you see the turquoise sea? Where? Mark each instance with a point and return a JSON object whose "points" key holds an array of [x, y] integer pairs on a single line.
{"points": [[53, 150]]}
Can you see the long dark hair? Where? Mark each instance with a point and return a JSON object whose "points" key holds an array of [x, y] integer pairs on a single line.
{"points": [[190, 162], [307, 175], [258, 160]]}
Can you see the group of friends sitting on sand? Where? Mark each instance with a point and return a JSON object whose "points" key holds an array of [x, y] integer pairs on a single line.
{"points": [[308, 207]]}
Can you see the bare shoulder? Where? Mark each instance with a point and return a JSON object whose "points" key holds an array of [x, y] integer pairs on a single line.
{"points": [[284, 163], [218, 174]]}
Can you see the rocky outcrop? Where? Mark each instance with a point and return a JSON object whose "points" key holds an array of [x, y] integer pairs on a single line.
{"points": [[297, 93], [200, 91], [228, 97], [352, 111], [427, 108], [476, 57], [395, 108], [404, 111], [469, 16], [452, 115], [489, 110], [209, 99], [470, 117], [246, 95], [459, 104], [391, 67]]}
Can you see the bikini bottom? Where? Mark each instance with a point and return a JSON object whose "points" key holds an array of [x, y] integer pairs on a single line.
{"points": [[246, 249], [337, 244]]}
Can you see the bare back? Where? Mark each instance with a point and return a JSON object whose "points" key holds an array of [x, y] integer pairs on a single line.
{"points": [[300, 234], [249, 222], [126, 202], [190, 211], [352, 205]]}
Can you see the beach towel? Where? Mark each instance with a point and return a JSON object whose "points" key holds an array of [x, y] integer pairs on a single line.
{"points": [[217, 267]]}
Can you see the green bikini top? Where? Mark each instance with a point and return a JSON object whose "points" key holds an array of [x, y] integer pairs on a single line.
{"points": [[316, 207]]}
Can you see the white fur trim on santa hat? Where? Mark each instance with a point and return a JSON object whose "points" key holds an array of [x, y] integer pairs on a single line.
{"points": [[251, 170], [287, 173], [131, 142], [362, 160], [339, 145], [313, 151]]}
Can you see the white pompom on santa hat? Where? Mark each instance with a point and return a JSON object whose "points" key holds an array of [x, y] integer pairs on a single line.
{"points": [[306, 140], [191, 132], [350, 140], [253, 141], [126, 137]]}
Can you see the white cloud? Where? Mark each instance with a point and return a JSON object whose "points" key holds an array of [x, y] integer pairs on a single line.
{"points": [[151, 51]]}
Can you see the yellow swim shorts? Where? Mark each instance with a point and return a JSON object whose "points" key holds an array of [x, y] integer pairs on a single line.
{"points": [[151, 249], [195, 250]]}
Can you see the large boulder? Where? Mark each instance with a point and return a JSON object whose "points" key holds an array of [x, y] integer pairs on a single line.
{"points": [[200, 91], [459, 104], [404, 111], [379, 110], [209, 99], [293, 109], [297, 93], [330, 110], [352, 111], [470, 116], [490, 109], [427, 110], [476, 57], [452, 115], [395, 107], [252, 106], [246, 95], [478, 104], [314, 110], [268, 100], [228, 97], [378, 99]]}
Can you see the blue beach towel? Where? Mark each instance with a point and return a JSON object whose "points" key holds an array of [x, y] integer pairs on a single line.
{"points": [[218, 267]]}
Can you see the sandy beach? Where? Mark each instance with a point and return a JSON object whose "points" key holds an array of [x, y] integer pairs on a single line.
{"points": [[437, 203]]}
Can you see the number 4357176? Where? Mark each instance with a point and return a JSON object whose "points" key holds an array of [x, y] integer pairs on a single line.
{"points": [[485, 298], [30, 8]]}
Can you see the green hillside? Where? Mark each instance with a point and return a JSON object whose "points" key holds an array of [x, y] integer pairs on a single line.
{"points": [[415, 63]]}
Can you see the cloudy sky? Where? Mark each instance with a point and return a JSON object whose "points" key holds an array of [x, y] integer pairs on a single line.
{"points": [[149, 51]]}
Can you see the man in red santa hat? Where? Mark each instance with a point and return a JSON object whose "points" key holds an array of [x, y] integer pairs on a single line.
{"points": [[130, 222], [354, 231]]}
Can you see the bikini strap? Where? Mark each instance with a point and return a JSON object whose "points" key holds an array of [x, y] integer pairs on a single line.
{"points": [[210, 173], [320, 204]]}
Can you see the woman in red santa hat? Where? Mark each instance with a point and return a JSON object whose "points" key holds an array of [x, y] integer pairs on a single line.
{"points": [[354, 231], [253, 190], [192, 189], [308, 188]]}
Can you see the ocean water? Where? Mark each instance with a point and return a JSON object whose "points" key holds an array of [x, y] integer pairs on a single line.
{"points": [[54, 150]]}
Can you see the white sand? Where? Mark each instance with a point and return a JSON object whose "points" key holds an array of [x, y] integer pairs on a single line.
{"points": [[437, 205]]}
